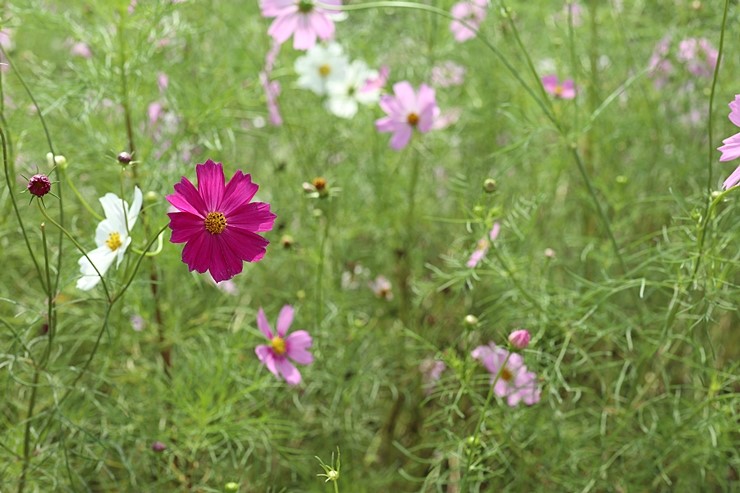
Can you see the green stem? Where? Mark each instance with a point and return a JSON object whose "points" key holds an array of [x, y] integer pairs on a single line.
{"points": [[711, 150], [320, 269], [79, 196]]}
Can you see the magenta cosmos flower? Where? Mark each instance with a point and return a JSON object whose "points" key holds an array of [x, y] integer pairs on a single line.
{"points": [[302, 19], [407, 111], [217, 222], [731, 148], [514, 381], [564, 90], [295, 346]]}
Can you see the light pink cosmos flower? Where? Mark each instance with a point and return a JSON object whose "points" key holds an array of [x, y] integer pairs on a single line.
{"points": [[295, 346], [483, 245], [302, 19], [514, 381], [731, 148], [659, 65], [564, 90], [448, 74], [217, 222], [406, 111], [469, 15], [699, 56], [81, 49]]}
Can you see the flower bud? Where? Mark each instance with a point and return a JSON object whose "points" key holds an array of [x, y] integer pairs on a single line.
{"points": [[520, 338], [124, 158], [158, 446], [471, 320], [57, 160], [287, 241], [489, 186], [39, 185], [231, 486], [151, 197]]}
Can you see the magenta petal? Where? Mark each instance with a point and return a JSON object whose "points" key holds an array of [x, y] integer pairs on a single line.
{"points": [[255, 217], [225, 263], [211, 184], [297, 345], [285, 318], [187, 199], [263, 324], [289, 372], [185, 226], [733, 179], [267, 357], [550, 83], [249, 246], [240, 190], [401, 138], [197, 253]]}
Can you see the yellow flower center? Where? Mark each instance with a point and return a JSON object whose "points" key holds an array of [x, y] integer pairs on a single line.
{"points": [[506, 374], [412, 119], [324, 70], [558, 90], [114, 241], [278, 345], [215, 223]]}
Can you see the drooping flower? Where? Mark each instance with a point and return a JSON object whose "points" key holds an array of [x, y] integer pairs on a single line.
{"points": [[346, 93], [407, 111], [320, 65], [483, 245], [39, 185], [305, 20], [513, 381], [217, 222], [731, 148], [520, 338], [469, 15], [564, 90], [111, 237], [281, 348]]}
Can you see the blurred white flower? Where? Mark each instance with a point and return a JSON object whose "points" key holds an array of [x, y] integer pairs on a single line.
{"points": [[320, 65], [346, 93]]}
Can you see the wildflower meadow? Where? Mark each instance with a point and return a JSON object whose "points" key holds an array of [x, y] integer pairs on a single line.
{"points": [[365, 246]]}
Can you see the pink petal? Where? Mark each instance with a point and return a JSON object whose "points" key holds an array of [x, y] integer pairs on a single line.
{"points": [[733, 179], [211, 184], [297, 345], [283, 27], [285, 318], [406, 96], [187, 199], [185, 226], [263, 324], [731, 149], [550, 83], [401, 138], [476, 257], [427, 119], [248, 246], [254, 217], [322, 25], [735, 110], [289, 372], [386, 124], [240, 190], [267, 357], [304, 36], [494, 231]]}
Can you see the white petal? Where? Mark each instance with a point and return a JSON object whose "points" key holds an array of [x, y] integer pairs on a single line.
{"points": [[133, 212], [102, 257], [113, 206]]}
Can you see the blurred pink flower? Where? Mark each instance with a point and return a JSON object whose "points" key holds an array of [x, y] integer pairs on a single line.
{"points": [[659, 65], [699, 56], [483, 245], [302, 19], [295, 346], [382, 288], [154, 110], [218, 222], [448, 74], [574, 11], [469, 15], [514, 381], [520, 338], [162, 81], [431, 371], [406, 111], [731, 148], [271, 88], [81, 49], [377, 83], [564, 90]]}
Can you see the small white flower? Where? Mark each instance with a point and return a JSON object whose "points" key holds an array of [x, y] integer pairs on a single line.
{"points": [[345, 94], [320, 65], [111, 237]]}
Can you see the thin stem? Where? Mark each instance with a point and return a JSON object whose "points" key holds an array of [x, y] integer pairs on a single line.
{"points": [[79, 196], [27, 432], [711, 150], [320, 270]]}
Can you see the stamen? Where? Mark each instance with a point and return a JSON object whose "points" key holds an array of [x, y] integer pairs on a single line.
{"points": [[305, 6], [114, 241], [324, 70], [278, 345], [412, 119], [215, 223], [506, 374]]}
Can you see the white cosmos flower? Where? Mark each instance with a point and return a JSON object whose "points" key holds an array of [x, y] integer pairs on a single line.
{"points": [[321, 64], [111, 236], [344, 94]]}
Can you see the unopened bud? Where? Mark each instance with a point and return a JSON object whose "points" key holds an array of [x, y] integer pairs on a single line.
{"points": [[520, 338], [232, 486], [159, 446], [471, 320], [287, 241], [39, 185], [151, 196], [124, 158], [57, 160], [489, 185]]}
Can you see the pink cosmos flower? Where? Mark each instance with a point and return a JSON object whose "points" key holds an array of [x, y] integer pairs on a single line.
{"points": [[699, 56], [275, 355], [483, 244], [448, 74], [520, 338], [514, 381], [564, 90], [660, 66], [407, 110], [469, 15], [217, 222], [731, 148], [377, 83], [81, 49], [302, 19]]}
